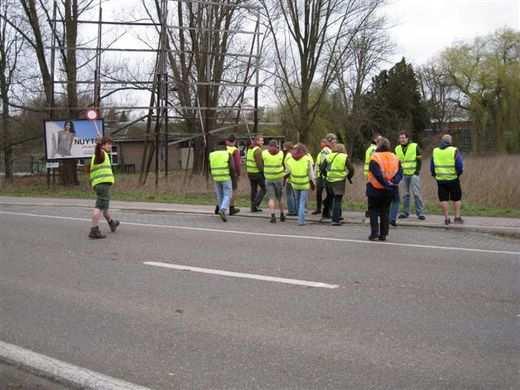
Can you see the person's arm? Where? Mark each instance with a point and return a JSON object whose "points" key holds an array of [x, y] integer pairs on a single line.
{"points": [[419, 161], [373, 167], [312, 177], [258, 159], [236, 160], [398, 176], [459, 163], [350, 169], [232, 169], [432, 167]]}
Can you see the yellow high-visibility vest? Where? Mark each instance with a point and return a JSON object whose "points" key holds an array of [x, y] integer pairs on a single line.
{"points": [[101, 173], [300, 174], [250, 160], [408, 160], [273, 165], [444, 163], [368, 155], [219, 165], [336, 170]]}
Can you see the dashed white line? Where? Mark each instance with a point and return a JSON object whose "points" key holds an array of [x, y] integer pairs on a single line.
{"points": [[279, 236], [241, 275]]}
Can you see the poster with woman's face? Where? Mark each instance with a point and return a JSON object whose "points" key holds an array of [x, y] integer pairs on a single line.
{"points": [[72, 139]]}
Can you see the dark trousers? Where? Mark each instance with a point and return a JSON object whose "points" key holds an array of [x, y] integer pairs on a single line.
{"points": [[379, 208], [257, 181], [336, 207], [320, 187], [327, 202]]}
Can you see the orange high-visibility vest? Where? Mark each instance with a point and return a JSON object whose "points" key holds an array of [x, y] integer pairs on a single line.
{"points": [[389, 165]]}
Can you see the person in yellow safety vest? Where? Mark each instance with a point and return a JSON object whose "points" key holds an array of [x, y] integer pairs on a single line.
{"points": [[222, 170], [446, 167], [384, 175], [290, 195], [321, 180], [274, 172], [409, 154], [254, 167], [301, 175], [339, 169], [368, 155], [234, 152], [101, 179]]}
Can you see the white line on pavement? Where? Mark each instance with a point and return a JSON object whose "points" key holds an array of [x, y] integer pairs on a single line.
{"points": [[210, 271], [278, 236], [60, 371]]}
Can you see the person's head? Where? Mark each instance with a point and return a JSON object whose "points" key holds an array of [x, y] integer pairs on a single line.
{"points": [[383, 145], [403, 138], [231, 140], [68, 127], [375, 137], [287, 146], [273, 147], [221, 145], [323, 143], [339, 148], [331, 139], [447, 139], [259, 140], [298, 151], [103, 144]]}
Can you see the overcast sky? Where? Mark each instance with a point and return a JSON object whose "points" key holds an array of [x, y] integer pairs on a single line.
{"points": [[422, 28]]}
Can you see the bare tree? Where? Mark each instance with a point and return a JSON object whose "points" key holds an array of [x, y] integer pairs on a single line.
{"points": [[311, 39], [11, 46]]}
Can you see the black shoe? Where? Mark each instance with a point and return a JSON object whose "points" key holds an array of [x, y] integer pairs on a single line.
{"points": [[393, 223], [273, 218], [382, 238], [282, 217], [447, 221], [372, 238], [222, 215], [256, 210], [316, 212], [336, 224], [292, 214], [421, 217], [403, 216], [95, 233], [325, 216], [458, 221], [216, 210], [233, 210], [113, 225]]}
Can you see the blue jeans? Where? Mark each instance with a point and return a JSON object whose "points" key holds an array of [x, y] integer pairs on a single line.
{"points": [[411, 185], [301, 200], [223, 190], [291, 199]]}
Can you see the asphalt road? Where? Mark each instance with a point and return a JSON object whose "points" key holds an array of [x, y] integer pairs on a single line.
{"points": [[430, 310]]}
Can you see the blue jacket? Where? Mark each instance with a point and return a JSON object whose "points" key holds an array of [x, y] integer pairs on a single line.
{"points": [[459, 162]]}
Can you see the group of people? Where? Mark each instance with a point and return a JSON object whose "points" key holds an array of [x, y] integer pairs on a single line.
{"points": [[293, 172]]}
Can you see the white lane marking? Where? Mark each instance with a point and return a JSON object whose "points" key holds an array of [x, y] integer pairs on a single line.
{"points": [[273, 235], [60, 371], [241, 275]]}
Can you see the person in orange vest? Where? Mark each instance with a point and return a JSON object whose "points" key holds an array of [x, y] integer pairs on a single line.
{"points": [[384, 175]]}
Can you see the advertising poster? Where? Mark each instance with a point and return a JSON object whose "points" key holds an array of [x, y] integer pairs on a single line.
{"points": [[72, 139]]}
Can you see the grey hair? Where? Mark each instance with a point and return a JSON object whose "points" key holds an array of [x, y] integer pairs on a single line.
{"points": [[383, 144], [331, 137], [447, 138]]}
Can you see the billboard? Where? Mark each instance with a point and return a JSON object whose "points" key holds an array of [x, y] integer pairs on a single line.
{"points": [[72, 139]]}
